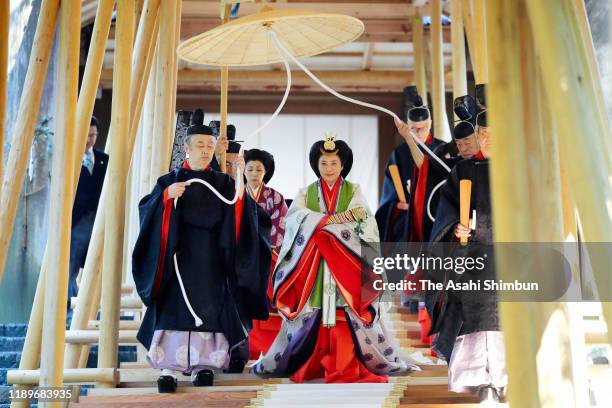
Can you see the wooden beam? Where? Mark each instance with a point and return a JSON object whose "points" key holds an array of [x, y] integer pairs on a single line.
{"points": [[23, 132], [123, 324], [361, 10], [115, 177], [94, 336], [71, 375], [274, 81], [376, 30], [127, 302]]}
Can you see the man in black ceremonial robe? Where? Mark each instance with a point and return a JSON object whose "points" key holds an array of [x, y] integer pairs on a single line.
{"points": [[465, 142], [404, 222], [467, 322], [200, 266]]}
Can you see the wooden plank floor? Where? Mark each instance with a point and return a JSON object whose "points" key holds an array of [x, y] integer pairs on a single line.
{"points": [[422, 389]]}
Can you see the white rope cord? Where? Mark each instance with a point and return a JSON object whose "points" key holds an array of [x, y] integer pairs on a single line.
{"points": [[347, 99], [198, 321], [433, 191], [280, 107]]}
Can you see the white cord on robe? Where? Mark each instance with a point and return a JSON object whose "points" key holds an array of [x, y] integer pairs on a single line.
{"points": [[433, 191], [198, 321]]}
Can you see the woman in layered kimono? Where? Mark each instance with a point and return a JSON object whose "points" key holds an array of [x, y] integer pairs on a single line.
{"points": [[259, 169], [331, 322]]}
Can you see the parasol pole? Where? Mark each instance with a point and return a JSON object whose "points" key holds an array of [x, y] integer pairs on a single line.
{"points": [[224, 84]]}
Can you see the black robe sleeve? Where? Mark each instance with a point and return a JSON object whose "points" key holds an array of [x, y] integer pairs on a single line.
{"points": [[394, 229], [443, 306], [146, 255]]}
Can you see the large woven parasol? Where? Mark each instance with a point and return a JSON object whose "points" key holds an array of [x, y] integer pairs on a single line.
{"points": [[272, 36], [246, 41]]}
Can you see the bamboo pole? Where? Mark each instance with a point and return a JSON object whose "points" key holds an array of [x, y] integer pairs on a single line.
{"points": [[23, 132], [146, 39], [589, 47], [569, 78], [481, 70], [163, 128], [418, 44], [437, 73], [60, 211], [157, 145], [91, 272], [91, 77], [115, 208], [509, 205], [147, 118], [467, 8], [71, 375], [85, 348], [560, 358], [177, 37], [224, 91], [30, 358], [458, 44], [5, 20]]}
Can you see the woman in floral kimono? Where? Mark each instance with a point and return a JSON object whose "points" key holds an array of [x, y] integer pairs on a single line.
{"points": [[331, 322], [259, 169]]}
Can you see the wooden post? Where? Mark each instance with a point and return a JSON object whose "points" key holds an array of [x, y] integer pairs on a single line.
{"points": [[85, 107], [115, 177], [177, 37], [467, 8], [589, 47], [509, 205], [224, 86], [141, 64], [60, 211], [166, 60], [5, 21], [458, 43], [31, 350], [557, 365], [148, 118], [91, 77], [90, 284], [23, 131], [569, 77], [30, 356], [440, 122], [481, 71], [418, 44]]}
